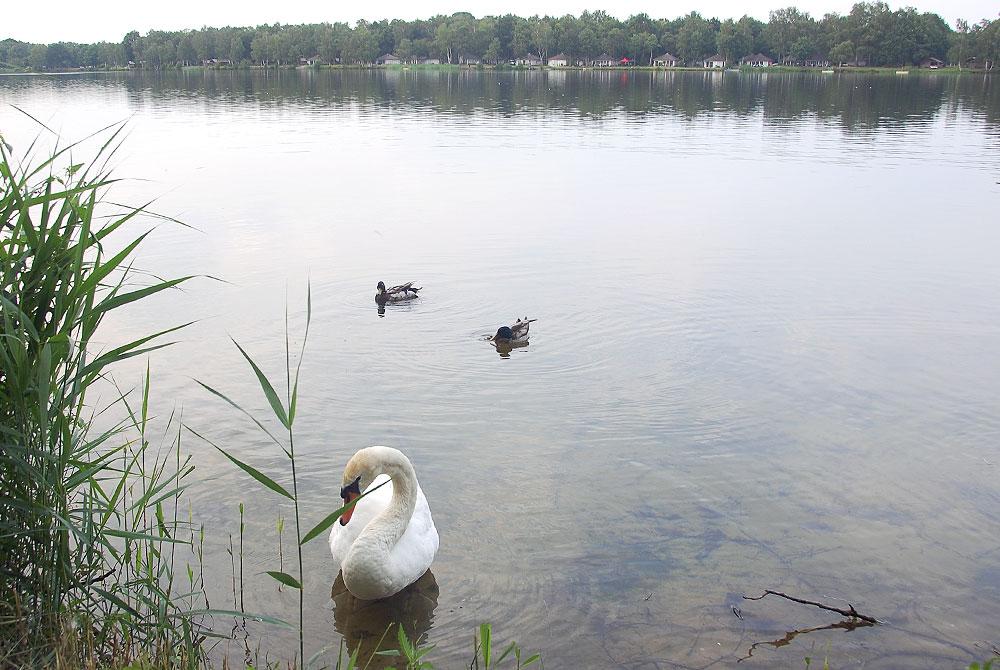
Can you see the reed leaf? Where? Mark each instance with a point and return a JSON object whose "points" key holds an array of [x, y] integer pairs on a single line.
{"points": [[267, 388], [336, 514], [247, 468], [284, 578]]}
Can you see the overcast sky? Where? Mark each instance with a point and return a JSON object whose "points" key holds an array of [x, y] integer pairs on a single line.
{"points": [[76, 21]]}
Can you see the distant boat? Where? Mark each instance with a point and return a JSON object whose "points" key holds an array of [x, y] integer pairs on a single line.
{"points": [[902, 72], [827, 71]]}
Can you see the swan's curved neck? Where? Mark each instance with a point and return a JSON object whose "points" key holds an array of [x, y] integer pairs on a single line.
{"points": [[386, 529]]}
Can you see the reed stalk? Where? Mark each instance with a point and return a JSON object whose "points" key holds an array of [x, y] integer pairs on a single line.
{"points": [[88, 517]]}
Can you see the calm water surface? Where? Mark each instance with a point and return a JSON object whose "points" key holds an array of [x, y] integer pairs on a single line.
{"points": [[767, 352]]}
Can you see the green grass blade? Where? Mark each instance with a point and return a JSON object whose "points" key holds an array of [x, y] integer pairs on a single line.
{"points": [[485, 633], [131, 535], [247, 468], [223, 396], [263, 618], [125, 298], [336, 514], [265, 385], [284, 578], [506, 652]]}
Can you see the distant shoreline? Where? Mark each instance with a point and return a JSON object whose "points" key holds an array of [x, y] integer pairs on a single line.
{"points": [[775, 69]]}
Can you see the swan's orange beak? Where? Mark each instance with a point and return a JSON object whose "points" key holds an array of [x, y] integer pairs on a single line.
{"points": [[346, 516]]}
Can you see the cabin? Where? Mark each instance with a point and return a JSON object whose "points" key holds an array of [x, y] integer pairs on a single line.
{"points": [[389, 59], [716, 61], [757, 60], [666, 60], [530, 60], [217, 62], [816, 60], [932, 63], [604, 60], [559, 60], [425, 61], [312, 60]]}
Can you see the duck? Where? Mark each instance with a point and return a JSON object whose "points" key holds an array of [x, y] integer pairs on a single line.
{"points": [[387, 541], [399, 293], [516, 333]]}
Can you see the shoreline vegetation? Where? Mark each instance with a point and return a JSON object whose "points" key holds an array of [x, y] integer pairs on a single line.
{"points": [[871, 35], [446, 67]]}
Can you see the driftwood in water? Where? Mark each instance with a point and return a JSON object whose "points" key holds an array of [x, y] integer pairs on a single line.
{"points": [[855, 620], [853, 613]]}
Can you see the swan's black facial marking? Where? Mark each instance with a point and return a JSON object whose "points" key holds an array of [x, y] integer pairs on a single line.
{"points": [[350, 493], [354, 487]]}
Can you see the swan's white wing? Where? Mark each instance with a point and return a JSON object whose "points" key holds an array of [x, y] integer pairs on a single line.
{"points": [[414, 552], [342, 537]]}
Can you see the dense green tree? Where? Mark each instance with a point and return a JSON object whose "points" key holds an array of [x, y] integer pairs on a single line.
{"points": [[695, 38], [961, 43], [38, 57], [129, 44], [493, 51], [801, 50], [727, 42], [842, 53], [785, 27]]}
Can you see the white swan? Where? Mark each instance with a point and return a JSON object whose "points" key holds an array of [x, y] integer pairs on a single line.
{"points": [[388, 540]]}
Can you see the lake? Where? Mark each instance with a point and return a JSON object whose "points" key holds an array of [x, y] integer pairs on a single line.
{"points": [[767, 353]]}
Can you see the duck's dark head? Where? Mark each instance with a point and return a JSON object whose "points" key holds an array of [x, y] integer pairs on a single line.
{"points": [[381, 287], [504, 334]]}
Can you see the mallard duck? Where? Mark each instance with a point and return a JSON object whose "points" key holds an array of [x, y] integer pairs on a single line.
{"points": [[399, 293], [516, 333]]}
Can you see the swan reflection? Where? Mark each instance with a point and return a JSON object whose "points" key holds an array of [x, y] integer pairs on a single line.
{"points": [[362, 623]]}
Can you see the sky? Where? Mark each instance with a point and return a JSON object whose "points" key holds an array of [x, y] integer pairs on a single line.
{"points": [[74, 21]]}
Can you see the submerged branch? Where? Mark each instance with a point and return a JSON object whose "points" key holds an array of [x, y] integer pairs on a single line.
{"points": [[853, 613]]}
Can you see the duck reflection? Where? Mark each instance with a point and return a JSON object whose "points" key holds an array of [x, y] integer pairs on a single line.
{"points": [[396, 305], [504, 348], [363, 623]]}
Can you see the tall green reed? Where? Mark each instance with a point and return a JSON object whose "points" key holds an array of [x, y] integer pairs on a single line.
{"points": [[89, 521], [284, 411]]}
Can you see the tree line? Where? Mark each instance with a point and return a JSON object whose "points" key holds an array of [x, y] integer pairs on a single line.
{"points": [[870, 34]]}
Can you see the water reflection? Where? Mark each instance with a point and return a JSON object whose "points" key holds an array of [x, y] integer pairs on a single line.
{"points": [[858, 102], [405, 306], [363, 623], [505, 347]]}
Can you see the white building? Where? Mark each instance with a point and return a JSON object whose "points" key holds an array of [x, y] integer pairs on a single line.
{"points": [[666, 60], [758, 60]]}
